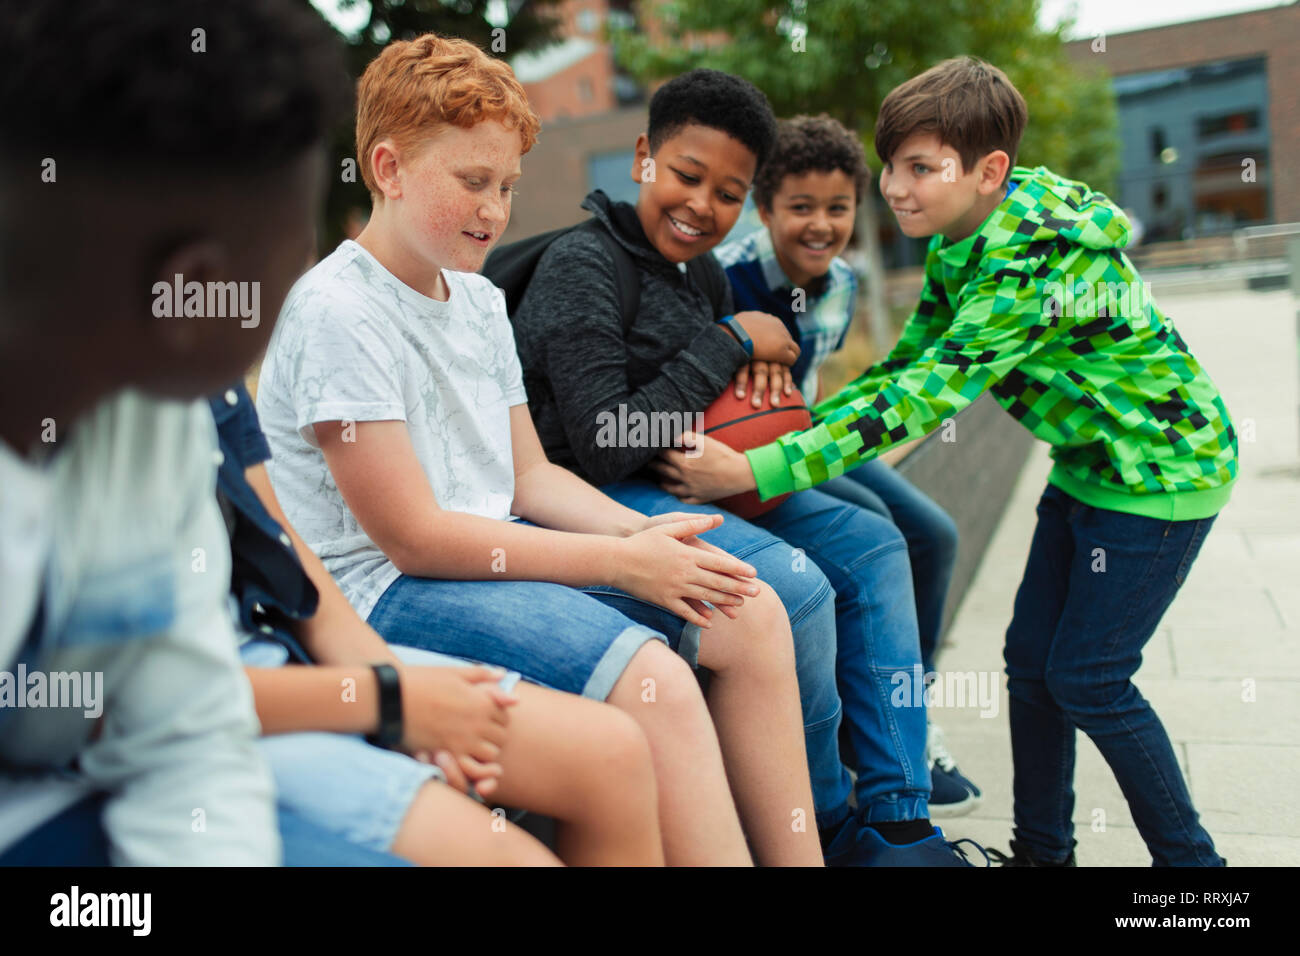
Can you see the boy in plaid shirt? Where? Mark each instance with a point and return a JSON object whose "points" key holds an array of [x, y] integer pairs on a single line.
{"points": [[807, 195], [1029, 294]]}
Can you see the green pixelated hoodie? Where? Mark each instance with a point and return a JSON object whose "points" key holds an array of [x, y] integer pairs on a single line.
{"points": [[1042, 307]]}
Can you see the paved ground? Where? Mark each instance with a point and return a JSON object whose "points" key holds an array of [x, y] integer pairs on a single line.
{"points": [[1223, 669]]}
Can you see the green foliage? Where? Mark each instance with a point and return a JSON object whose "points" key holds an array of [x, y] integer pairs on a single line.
{"points": [[855, 52], [532, 25]]}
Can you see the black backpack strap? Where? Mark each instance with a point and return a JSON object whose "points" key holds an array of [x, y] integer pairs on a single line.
{"points": [[708, 274], [626, 275]]}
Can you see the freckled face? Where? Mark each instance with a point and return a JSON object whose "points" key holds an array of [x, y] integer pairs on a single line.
{"points": [[701, 177], [455, 195], [928, 190], [810, 221]]}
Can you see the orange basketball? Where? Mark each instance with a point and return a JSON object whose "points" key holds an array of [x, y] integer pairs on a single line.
{"points": [[736, 422]]}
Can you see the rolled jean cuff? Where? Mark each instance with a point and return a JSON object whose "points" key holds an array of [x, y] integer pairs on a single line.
{"points": [[895, 807], [618, 656]]}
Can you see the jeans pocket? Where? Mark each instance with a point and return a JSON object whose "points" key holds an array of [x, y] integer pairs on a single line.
{"points": [[1194, 543]]}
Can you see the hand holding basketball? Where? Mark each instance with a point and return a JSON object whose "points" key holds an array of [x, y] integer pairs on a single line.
{"points": [[705, 471], [764, 374], [713, 468]]}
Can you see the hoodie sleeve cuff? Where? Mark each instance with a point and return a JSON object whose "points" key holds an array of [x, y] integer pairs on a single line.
{"points": [[771, 473]]}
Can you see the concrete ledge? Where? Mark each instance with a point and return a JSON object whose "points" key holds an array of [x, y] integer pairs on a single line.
{"points": [[972, 477]]}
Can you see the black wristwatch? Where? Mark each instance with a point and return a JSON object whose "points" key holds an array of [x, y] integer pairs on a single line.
{"points": [[389, 734]]}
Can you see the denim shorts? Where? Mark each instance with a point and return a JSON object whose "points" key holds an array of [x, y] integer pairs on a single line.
{"points": [[556, 636], [339, 782]]}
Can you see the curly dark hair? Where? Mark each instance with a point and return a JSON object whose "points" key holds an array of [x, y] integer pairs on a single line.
{"points": [[717, 100], [807, 144], [157, 85]]}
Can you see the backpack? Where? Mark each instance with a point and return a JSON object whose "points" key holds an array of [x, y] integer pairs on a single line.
{"points": [[511, 268]]}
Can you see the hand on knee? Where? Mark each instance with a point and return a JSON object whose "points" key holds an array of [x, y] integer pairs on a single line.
{"points": [[765, 641]]}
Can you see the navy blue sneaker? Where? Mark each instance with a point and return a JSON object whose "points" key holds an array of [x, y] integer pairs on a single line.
{"points": [[951, 793], [859, 845]]}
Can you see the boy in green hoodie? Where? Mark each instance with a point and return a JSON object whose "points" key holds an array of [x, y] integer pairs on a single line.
{"points": [[1029, 294]]}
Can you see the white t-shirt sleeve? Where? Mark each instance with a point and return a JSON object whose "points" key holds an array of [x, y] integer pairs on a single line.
{"points": [[339, 360]]}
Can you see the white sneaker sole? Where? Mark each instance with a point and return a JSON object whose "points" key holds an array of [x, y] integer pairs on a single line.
{"points": [[959, 809]]}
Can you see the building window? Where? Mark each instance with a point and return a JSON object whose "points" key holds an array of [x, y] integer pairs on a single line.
{"points": [[588, 21], [609, 171], [1240, 121], [1158, 143], [586, 93]]}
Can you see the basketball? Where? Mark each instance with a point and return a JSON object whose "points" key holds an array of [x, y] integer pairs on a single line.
{"points": [[737, 423]]}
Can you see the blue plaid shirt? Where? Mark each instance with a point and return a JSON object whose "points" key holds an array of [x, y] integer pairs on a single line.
{"points": [[759, 283]]}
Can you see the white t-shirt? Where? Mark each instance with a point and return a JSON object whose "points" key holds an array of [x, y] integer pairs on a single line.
{"points": [[356, 344]]}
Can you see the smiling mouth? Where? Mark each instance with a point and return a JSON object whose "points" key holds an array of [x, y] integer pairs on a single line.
{"points": [[480, 236], [816, 246], [684, 228], [904, 213]]}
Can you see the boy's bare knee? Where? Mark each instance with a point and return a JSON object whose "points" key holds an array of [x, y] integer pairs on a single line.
{"points": [[653, 669], [767, 629]]}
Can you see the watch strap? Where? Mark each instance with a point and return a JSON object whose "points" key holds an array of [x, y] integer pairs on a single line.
{"points": [[389, 734]]}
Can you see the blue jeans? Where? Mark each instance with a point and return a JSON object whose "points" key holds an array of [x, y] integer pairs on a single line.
{"points": [[307, 844], [76, 837], [1096, 585], [843, 576], [930, 532]]}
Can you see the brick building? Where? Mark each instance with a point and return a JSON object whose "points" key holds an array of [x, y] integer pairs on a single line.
{"points": [[1209, 119], [576, 77]]}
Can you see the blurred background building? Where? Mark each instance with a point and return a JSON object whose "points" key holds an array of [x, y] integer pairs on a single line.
{"points": [[1209, 115]]}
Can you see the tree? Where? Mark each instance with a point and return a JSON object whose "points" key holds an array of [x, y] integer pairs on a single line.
{"points": [[523, 25], [842, 56]]}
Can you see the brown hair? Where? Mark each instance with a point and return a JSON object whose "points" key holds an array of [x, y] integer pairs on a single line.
{"points": [[968, 103], [413, 86], [811, 144]]}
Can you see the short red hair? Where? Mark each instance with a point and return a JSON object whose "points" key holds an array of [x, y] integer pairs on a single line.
{"points": [[414, 86]]}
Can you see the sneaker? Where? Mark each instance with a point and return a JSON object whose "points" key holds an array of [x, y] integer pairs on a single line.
{"points": [[951, 794], [1020, 856], [859, 845]]}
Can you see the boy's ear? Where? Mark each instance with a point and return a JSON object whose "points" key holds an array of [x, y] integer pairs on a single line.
{"points": [[384, 162], [993, 171], [200, 260], [643, 164], [764, 214]]}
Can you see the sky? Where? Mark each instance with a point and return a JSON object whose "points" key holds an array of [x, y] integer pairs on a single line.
{"points": [[1117, 16], [1094, 16]]}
